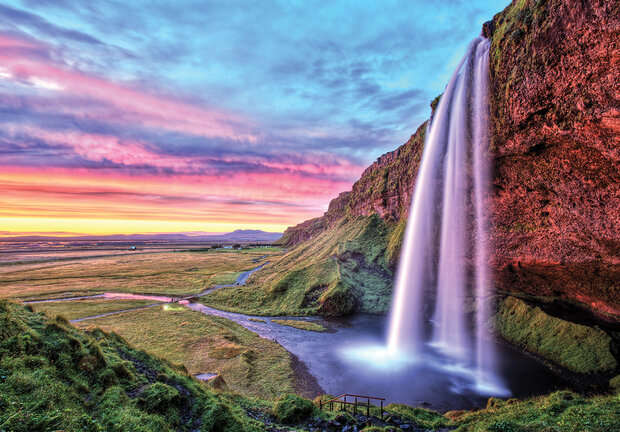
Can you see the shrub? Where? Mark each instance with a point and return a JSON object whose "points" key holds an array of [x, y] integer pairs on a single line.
{"points": [[291, 409]]}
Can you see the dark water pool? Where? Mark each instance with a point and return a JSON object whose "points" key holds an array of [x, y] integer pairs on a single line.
{"points": [[349, 359]]}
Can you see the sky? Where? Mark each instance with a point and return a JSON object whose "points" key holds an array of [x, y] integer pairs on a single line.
{"points": [[181, 116]]}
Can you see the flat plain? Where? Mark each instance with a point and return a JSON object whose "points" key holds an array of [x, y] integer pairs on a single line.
{"points": [[169, 273]]}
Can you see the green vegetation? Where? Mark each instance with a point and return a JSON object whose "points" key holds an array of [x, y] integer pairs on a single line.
{"points": [[84, 308], [562, 411], [422, 416], [300, 324], [54, 377], [395, 242], [579, 348], [170, 273], [249, 364], [343, 269], [292, 409]]}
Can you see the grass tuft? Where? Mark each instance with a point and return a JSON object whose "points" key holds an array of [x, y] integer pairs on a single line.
{"points": [[292, 409], [303, 325]]}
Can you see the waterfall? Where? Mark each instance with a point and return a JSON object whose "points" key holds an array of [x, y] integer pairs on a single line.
{"points": [[445, 251]]}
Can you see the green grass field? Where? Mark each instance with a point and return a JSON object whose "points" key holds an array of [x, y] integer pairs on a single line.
{"points": [[249, 364], [170, 273], [84, 308]]}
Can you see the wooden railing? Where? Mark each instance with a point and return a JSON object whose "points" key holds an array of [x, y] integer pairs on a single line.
{"points": [[354, 401]]}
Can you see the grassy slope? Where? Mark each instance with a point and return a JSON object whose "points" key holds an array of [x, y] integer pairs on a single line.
{"points": [[579, 348], [249, 364], [54, 377], [173, 273], [343, 269]]}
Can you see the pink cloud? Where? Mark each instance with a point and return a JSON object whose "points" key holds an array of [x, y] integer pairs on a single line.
{"points": [[150, 109], [98, 148], [292, 188]]}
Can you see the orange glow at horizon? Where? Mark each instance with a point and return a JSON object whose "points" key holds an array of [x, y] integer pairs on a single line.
{"points": [[86, 203], [68, 227]]}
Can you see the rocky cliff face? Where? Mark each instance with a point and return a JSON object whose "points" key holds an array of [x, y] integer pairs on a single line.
{"points": [[555, 114], [386, 186]]}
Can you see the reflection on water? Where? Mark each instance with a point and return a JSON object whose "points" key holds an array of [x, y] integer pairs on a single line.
{"points": [[127, 296], [351, 359]]}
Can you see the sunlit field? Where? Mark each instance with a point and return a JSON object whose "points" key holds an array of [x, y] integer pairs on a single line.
{"points": [[170, 273], [85, 308], [249, 364]]}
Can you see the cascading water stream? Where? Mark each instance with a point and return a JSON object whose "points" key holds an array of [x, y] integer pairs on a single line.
{"points": [[446, 241]]}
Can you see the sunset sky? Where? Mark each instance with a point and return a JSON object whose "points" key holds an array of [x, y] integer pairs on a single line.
{"points": [[150, 116]]}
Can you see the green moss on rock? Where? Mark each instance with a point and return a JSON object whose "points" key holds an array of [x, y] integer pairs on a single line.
{"points": [[577, 347]]}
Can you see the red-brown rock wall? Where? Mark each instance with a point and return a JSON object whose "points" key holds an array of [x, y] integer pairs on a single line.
{"points": [[555, 74]]}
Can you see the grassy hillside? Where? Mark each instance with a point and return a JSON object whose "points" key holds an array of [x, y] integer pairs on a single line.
{"points": [[54, 377], [343, 269], [249, 364]]}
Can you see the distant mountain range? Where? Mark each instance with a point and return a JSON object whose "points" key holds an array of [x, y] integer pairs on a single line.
{"points": [[241, 236]]}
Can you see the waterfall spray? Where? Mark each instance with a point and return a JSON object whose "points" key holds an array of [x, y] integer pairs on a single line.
{"points": [[447, 228]]}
